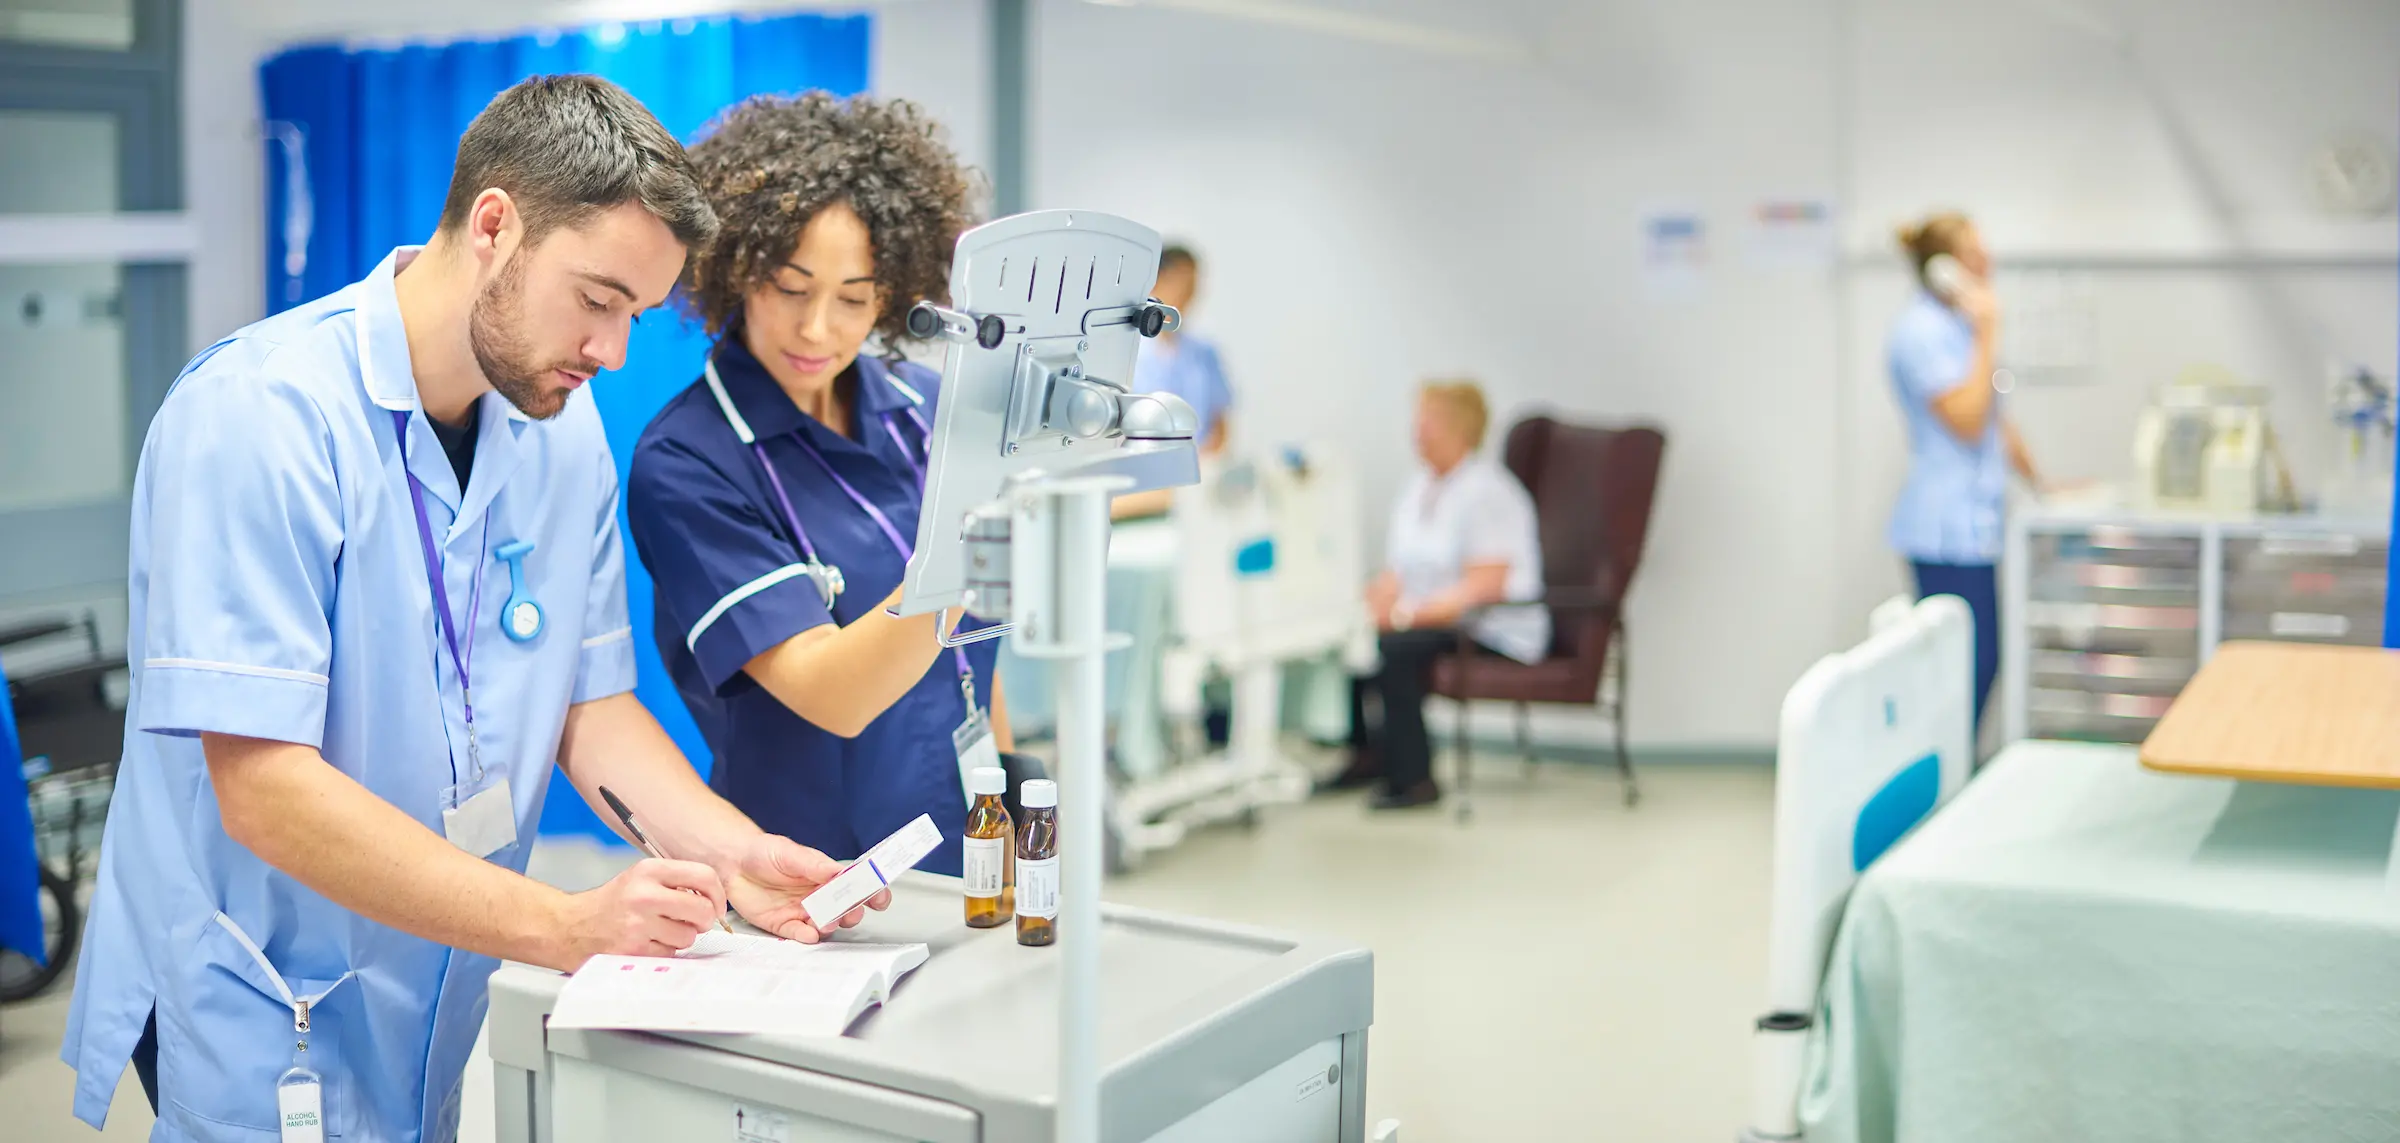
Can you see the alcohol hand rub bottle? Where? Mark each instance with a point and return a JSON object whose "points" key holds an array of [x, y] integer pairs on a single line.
{"points": [[1037, 864], [991, 859]]}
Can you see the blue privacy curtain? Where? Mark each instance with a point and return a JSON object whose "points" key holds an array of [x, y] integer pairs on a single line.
{"points": [[359, 150]]}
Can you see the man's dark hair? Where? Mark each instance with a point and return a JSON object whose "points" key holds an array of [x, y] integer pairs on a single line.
{"points": [[566, 147], [1178, 254], [772, 162]]}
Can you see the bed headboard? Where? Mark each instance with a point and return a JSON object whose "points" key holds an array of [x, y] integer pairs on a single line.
{"points": [[1873, 740]]}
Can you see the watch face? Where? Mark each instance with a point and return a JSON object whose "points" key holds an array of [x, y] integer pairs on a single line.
{"points": [[526, 619]]}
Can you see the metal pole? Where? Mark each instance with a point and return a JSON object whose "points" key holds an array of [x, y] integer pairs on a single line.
{"points": [[1080, 525], [1012, 71]]}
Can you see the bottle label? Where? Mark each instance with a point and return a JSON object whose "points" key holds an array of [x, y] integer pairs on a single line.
{"points": [[1037, 888], [982, 872]]}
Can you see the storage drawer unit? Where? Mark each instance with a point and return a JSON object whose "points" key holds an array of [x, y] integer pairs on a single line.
{"points": [[2108, 617]]}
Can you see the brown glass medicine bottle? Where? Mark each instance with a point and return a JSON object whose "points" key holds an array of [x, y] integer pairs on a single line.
{"points": [[1037, 864], [991, 852]]}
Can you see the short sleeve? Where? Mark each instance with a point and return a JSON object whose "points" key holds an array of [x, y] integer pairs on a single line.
{"points": [[1218, 391], [1497, 527], [1926, 362], [1403, 521], [605, 666], [726, 577], [241, 527]]}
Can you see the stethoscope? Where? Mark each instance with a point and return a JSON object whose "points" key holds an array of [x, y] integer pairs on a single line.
{"points": [[827, 577], [521, 619]]}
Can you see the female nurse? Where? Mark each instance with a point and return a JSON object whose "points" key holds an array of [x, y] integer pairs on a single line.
{"points": [[775, 501], [1948, 524]]}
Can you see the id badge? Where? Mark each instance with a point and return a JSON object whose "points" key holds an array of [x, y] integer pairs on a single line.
{"points": [[485, 823], [300, 1106], [976, 748]]}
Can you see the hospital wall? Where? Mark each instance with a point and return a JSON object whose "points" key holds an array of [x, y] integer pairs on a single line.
{"points": [[1431, 214], [1374, 213], [2160, 158]]}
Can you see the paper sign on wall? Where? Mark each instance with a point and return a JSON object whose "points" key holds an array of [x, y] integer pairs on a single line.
{"points": [[1674, 252], [1791, 234]]}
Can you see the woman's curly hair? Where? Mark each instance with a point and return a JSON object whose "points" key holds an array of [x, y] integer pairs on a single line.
{"points": [[772, 162]]}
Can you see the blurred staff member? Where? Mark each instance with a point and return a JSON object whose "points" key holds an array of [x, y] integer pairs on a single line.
{"points": [[1950, 517], [1462, 536], [1184, 364]]}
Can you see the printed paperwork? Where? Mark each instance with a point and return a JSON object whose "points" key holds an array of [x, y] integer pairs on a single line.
{"points": [[730, 982]]}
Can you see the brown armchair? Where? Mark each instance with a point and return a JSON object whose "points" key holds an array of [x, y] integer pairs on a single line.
{"points": [[1592, 490]]}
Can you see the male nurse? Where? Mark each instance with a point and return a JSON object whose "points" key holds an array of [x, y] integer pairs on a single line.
{"points": [[377, 590], [1185, 364]]}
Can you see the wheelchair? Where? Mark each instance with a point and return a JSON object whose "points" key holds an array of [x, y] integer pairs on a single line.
{"points": [[71, 729]]}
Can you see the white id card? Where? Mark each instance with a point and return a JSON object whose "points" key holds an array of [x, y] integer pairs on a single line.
{"points": [[485, 823], [976, 748], [300, 1105]]}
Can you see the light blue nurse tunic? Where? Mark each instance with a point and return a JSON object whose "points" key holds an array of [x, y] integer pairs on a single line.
{"points": [[1190, 368], [279, 591], [1953, 508]]}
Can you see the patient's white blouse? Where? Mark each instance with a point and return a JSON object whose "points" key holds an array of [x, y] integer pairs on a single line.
{"points": [[1476, 514]]}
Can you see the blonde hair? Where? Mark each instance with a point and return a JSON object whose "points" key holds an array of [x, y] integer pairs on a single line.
{"points": [[1941, 232], [1463, 399]]}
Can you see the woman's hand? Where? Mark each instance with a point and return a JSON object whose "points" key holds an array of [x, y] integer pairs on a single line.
{"points": [[1976, 303], [770, 878], [1383, 594]]}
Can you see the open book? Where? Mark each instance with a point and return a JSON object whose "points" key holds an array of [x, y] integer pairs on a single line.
{"points": [[729, 982]]}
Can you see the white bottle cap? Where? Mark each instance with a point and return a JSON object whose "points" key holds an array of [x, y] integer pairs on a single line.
{"points": [[988, 780], [1038, 793]]}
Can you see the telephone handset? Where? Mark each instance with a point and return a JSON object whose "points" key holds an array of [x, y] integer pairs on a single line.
{"points": [[1947, 278]]}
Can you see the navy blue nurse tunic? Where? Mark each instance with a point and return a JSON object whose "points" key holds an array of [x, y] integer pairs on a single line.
{"points": [[708, 527]]}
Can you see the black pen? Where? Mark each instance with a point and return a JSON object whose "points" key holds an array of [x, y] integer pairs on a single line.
{"points": [[625, 814]]}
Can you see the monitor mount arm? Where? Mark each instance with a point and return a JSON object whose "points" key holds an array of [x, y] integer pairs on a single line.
{"points": [[1037, 430]]}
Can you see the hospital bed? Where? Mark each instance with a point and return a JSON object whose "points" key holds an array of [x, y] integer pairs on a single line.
{"points": [[2081, 948], [1256, 575], [2075, 947], [1269, 574], [1873, 740]]}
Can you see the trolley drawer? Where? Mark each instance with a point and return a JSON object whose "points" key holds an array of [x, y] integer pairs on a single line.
{"points": [[2121, 674], [2304, 551], [2122, 547], [2351, 627]]}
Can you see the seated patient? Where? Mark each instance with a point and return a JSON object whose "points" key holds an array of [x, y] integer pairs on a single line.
{"points": [[1462, 537]]}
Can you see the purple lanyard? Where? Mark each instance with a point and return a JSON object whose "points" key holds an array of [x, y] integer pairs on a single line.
{"points": [[966, 671], [441, 600]]}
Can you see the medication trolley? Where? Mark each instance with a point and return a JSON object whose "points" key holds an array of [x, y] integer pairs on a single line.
{"points": [[1209, 1032]]}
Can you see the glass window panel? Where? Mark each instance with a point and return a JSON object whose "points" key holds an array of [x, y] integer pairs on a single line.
{"points": [[62, 380], [77, 169], [106, 25]]}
